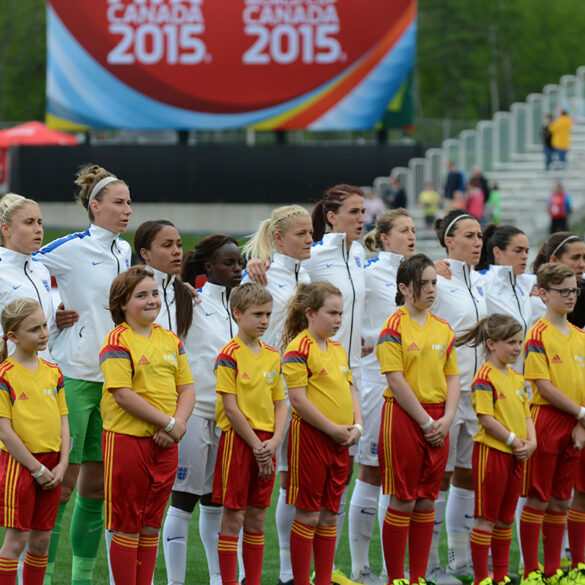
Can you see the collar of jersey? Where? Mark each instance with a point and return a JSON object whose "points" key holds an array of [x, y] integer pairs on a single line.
{"points": [[285, 261], [162, 278], [13, 257], [101, 234], [390, 259], [213, 290], [459, 268]]}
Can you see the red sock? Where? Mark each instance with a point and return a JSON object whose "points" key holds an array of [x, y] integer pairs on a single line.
{"points": [[553, 530], [227, 551], [301, 548], [34, 568], [147, 550], [324, 549], [419, 543], [252, 553], [8, 569], [576, 529], [530, 525], [480, 551], [124, 558], [501, 543], [394, 537]]}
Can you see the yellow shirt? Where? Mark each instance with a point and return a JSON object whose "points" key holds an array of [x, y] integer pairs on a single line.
{"points": [[152, 367], [325, 375], [425, 354], [504, 397], [561, 132], [34, 402], [430, 201], [255, 379], [549, 355]]}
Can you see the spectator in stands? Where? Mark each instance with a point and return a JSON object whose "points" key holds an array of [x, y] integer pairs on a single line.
{"points": [[561, 136], [458, 201], [476, 173], [493, 209], [454, 181], [430, 200], [396, 195], [559, 209], [374, 206], [474, 199], [547, 141]]}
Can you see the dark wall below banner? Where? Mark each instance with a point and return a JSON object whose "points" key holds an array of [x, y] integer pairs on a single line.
{"points": [[207, 174]]}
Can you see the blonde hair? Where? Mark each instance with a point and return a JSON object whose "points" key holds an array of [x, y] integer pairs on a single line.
{"points": [[308, 296], [12, 316], [245, 295], [384, 225], [8, 205], [87, 178], [261, 244]]}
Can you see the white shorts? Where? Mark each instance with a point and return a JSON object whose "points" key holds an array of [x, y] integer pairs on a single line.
{"points": [[356, 375], [461, 434], [372, 403], [197, 453]]}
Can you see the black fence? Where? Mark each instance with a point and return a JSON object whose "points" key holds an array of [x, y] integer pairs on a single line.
{"points": [[207, 174]]}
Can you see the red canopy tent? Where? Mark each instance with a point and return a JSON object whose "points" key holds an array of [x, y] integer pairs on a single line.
{"points": [[30, 133]]}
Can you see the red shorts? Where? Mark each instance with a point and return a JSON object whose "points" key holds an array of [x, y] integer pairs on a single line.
{"points": [[580, 475], [138, 480], [24, 505], [317, 468], [410, 467], [236, 484], [497, 478], [552, 469]]}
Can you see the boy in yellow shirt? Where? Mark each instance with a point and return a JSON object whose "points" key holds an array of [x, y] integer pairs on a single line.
{"points": [[252, 414]]}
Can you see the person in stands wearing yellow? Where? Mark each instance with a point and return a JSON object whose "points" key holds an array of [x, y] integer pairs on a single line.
{"points": [[561, 136]]}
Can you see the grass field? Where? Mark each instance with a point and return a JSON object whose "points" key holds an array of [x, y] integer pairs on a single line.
{"points": [[197, 565]]}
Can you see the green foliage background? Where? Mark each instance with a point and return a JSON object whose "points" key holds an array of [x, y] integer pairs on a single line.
{"points": [[473, 57]]}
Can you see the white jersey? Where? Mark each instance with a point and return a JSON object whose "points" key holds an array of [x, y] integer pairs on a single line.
{"points": [[331, 261], [380, 278], [461, 302], [509, 294], [212, 327], [167, 317], [84, 264], [284, 275], [22, 276]]}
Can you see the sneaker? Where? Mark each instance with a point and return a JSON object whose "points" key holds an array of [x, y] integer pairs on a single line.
{"points": [[440, 576], [400, 582], [339, 578], [567, 564], [486, 581], [506, 581], [423, 581], [534, 578], [557, 579], [367, 577], [463, 572], [576, 576]]}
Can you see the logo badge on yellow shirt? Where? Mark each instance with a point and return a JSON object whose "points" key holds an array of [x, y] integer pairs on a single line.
{"points": [[245, 376], [23, 396], [269, 377], [323, 372], [143, 361], [556, 359], [440, 348], [413, 347]]}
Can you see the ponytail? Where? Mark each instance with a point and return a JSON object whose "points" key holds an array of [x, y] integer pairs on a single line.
{"points": [[183, 307], [384, 224], [496, 327]]}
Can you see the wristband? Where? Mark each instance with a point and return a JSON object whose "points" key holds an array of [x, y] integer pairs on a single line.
{"points": [[510, 439], [581, 414], [170, 426], [428, 424], [360, 428], [40, 472]]}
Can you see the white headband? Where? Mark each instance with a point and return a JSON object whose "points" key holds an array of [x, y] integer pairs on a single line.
{"points": [[571, 237], [462, 216], [100, 185]]}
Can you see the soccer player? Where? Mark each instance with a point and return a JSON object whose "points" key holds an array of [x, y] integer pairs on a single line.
{"points": [[251, 412]]}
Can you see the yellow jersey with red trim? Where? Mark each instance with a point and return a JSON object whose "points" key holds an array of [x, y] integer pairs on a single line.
{"points": [[504, 397], [550, 355], [325, 375], [426, 355], [152, 367], [255, 379], [34, 402]]}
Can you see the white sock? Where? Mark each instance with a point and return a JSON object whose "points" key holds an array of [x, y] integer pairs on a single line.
{"points": [[341, 516], [20, 568], [459, 519], [209, 528], [174, 536], [383, 504], [361, 521], [285, 515], [517, 514], [241, 570], [434, 560], [109, 534], [566, 551]]}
